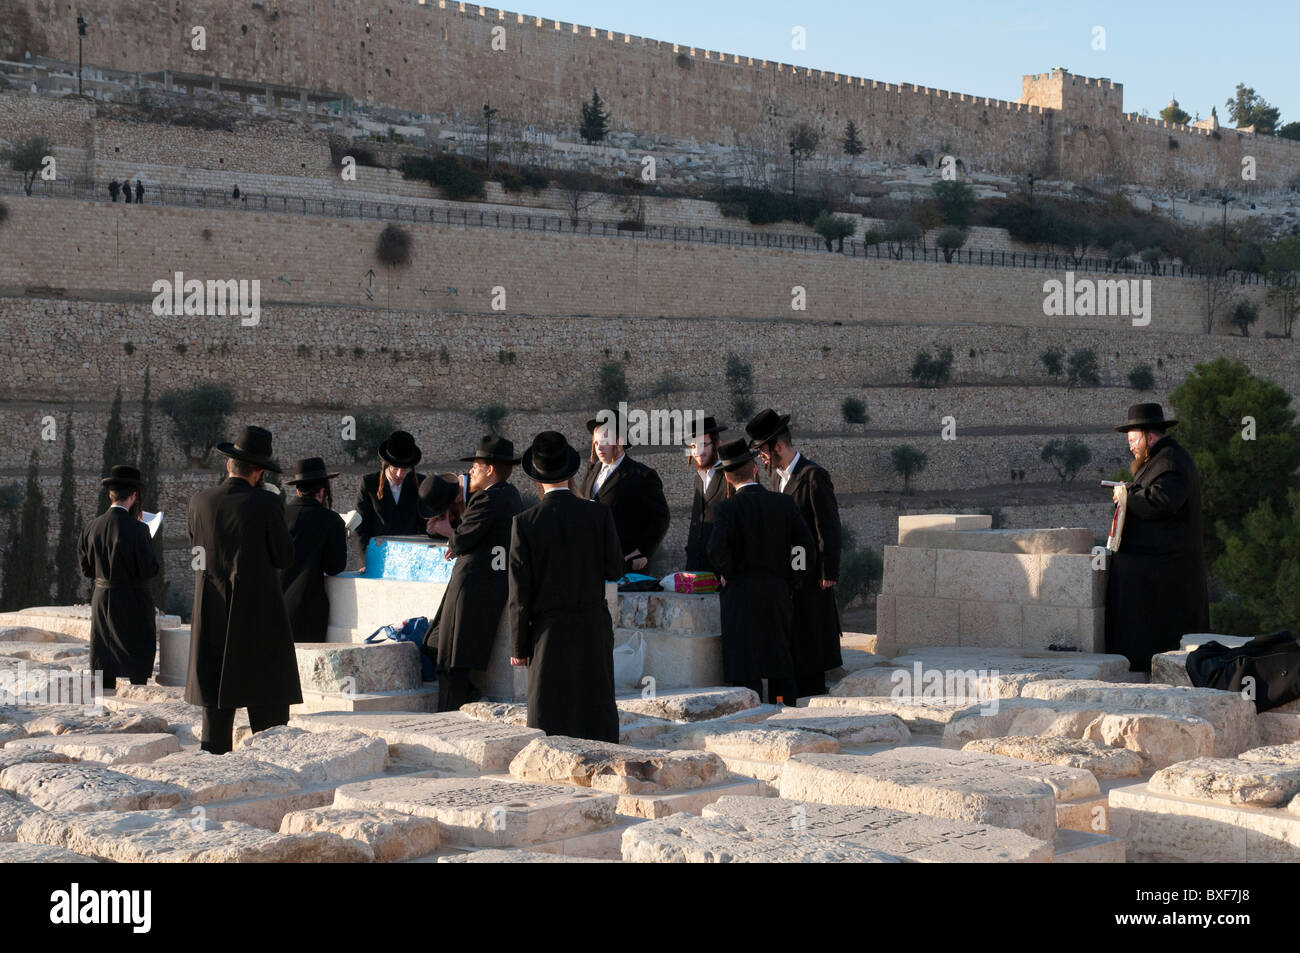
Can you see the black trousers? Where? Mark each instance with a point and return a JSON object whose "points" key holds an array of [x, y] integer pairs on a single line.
{"points": [[219, 724], [453, 688], [782, 688]]}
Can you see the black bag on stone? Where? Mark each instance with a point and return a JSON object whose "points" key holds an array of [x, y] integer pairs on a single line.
{"points": [[1273, 661]]}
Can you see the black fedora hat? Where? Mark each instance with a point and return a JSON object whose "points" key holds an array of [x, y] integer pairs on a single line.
{"points": [[734, 454], [123, 476], [495, 450], [310, 469], [550, 459], [766, 425], [1146, 417], [707, 426], [436, 495], [400, 450], [603, 418], [253, 445]]}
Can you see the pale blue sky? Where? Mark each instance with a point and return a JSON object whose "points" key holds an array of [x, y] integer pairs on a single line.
{"points": [[1196, 50]]}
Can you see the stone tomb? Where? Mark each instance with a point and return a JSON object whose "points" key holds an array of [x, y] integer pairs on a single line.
{"points": [[967, 786], [1028, 588], [485, 812]]}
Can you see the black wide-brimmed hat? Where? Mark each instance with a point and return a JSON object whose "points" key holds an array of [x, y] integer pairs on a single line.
{"points": [[253, 445], [310, 470], [436, 495], [550, 459], [1146, 417], [766, 425], [494, 450], [399, 450], [127, 477], [708, 426], [734, 454], [612, 419]]}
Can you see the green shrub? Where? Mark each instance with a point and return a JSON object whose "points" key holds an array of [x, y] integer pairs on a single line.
{"points": [[448, 172], [1067, 457], [1142, 377], [198, 415], [932, 372], [1052, 359], [956, 202], [491, 417], [1081, 368], [611, 385], [854, 411], [739, 378], [372, 429], [394, 246]]}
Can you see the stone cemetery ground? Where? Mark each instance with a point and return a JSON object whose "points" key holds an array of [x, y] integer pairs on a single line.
{"points": [[1053, 757]]}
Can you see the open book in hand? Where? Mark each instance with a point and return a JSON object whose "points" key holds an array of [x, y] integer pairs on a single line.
{"points": [[352, 519], [151, 520]]}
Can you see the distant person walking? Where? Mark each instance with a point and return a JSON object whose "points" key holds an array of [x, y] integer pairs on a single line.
{"points": [[139, 192], [235, 194], [126, 191], [114, 187]]}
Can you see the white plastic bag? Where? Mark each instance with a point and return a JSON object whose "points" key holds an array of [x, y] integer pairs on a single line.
{"points": [[629, 662]]}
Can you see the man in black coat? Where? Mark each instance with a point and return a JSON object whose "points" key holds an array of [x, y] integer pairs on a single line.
{"points": [[632, 491], [320, 549], [816, 615], [562, 551], [1156, 590], [710, 490], [116, 550], [761, 547], [388, 501], [241, 643], [465, 626]]}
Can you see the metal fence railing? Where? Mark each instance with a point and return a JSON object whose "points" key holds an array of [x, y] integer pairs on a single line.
{"points": [[541, 221]]}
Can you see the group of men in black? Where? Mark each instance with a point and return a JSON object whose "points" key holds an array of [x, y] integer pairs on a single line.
{"points": [[260, 566]]}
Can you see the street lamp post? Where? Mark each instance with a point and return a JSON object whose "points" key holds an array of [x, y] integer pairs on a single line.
{"points": [[81, 33]]}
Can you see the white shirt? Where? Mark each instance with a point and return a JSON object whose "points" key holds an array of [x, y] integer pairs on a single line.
{"points": [[706, 476], [743, 485], [785, 474], [556, 489], [119, 506], [605, 470], [396, 489]]}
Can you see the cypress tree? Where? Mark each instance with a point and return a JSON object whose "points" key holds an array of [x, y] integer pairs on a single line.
{"points": [[149, 472], [67, 570], [116, 447], [27, 569]]}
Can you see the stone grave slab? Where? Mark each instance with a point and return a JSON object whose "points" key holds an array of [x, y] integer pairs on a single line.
{"points": [[72, 720], [176, 837], [722, 840], [748, 742], [1232, 716], [389, 836], [922, 716], [1164, 828], [126, 748], [914, 838], [483, 812], [1012, 661], [319, 757], [491, 856], [965, 786], [696, 704], [652, 806], [183, 720], [43, 652], [83, 787], [1230, 780], [12, 756], [449, 741], [207, 778], [846, 726], [12, 814], [1170, 668], [1085, 847], [28, 633], [1102, 761], [358, 666], [618, 769], [501, 713], [13, 853], [1158, 738], [151, 692], [1277, 754]]}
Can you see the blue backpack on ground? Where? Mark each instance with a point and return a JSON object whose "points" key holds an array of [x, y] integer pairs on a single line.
{"points": [[411, 630]]}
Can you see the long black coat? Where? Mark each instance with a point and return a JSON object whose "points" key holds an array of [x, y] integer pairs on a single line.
{"points": [[1156, 589], [470, 613], [635, 495], [561, 553], [320, 549], [241, 644], [384, 517], [816, 614], [751, 547], [703, 512], [116, 547]]}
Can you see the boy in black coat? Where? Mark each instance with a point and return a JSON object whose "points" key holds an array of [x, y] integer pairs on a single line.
{"points": [[116, 550], [320, 549]]}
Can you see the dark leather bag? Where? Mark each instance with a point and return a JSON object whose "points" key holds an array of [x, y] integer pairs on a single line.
{"points": [[1272, 661]]}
